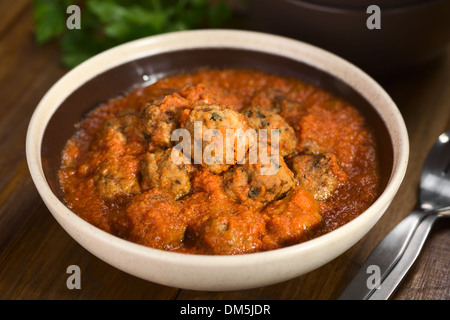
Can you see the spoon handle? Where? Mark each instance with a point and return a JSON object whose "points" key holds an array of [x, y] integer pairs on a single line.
{"points": [[383, 258], [390, 283]]}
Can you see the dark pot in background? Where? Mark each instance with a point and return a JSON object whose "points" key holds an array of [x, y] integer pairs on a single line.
{"points": [[412, 32]]}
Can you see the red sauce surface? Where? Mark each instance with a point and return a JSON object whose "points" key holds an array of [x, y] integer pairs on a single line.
{"points": [[115, 171]]}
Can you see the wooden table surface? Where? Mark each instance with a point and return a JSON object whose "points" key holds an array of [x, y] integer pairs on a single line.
{"points": [[35, 251]]}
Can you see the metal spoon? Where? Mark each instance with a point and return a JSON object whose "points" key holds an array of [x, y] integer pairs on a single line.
{"points": [[395, 254]]}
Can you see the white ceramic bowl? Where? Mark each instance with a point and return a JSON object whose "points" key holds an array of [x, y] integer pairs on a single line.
{"points": [[145, 61]]}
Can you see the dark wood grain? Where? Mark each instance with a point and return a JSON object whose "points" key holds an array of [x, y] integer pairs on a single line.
{"points": [[35, 251]]}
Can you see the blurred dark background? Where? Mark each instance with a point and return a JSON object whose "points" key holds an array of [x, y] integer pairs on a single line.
{"points": [[411, 32]]}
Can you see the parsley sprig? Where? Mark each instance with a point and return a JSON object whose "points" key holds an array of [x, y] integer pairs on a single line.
{"points": [[107, 23]]}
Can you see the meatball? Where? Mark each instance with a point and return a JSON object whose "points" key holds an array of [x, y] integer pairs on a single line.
{"points": [[267, 99], [217, 225], [268, 120], [127, 122], [319, 174], [227, 233], [115, 172], [115, 133], [214, 153], [158, 121], [117, 177], [291, 220], [160, 170], [154, 220], [248, 181], [277, 101]]}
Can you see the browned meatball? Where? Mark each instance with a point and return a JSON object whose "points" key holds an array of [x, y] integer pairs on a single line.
{"points": [[319, 174], [126, 122], [160, 118], [233, 234], [154, 220], [278, 102], [248, 181], [116, 132], [268, 99], [115, 172], [117, 177], [265, 119], [291, 220], [160, 170], [220, 118], [228, 232], [158, 121]]}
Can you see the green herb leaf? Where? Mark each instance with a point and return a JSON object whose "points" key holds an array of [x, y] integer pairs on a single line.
{"points": [[107, 23], [215, 116], [49, 19]]}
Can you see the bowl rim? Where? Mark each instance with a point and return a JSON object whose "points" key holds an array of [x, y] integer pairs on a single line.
{"points": [[361, 8], [217, 38]]}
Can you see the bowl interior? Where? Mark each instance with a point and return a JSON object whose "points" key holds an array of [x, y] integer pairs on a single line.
{"points": [[127, 76]]}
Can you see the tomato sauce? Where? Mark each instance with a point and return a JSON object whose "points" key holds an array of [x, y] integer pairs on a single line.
{"points": [[116, 171]]}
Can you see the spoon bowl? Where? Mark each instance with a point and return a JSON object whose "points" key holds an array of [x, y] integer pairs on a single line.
{"points": [[435, 179]]}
